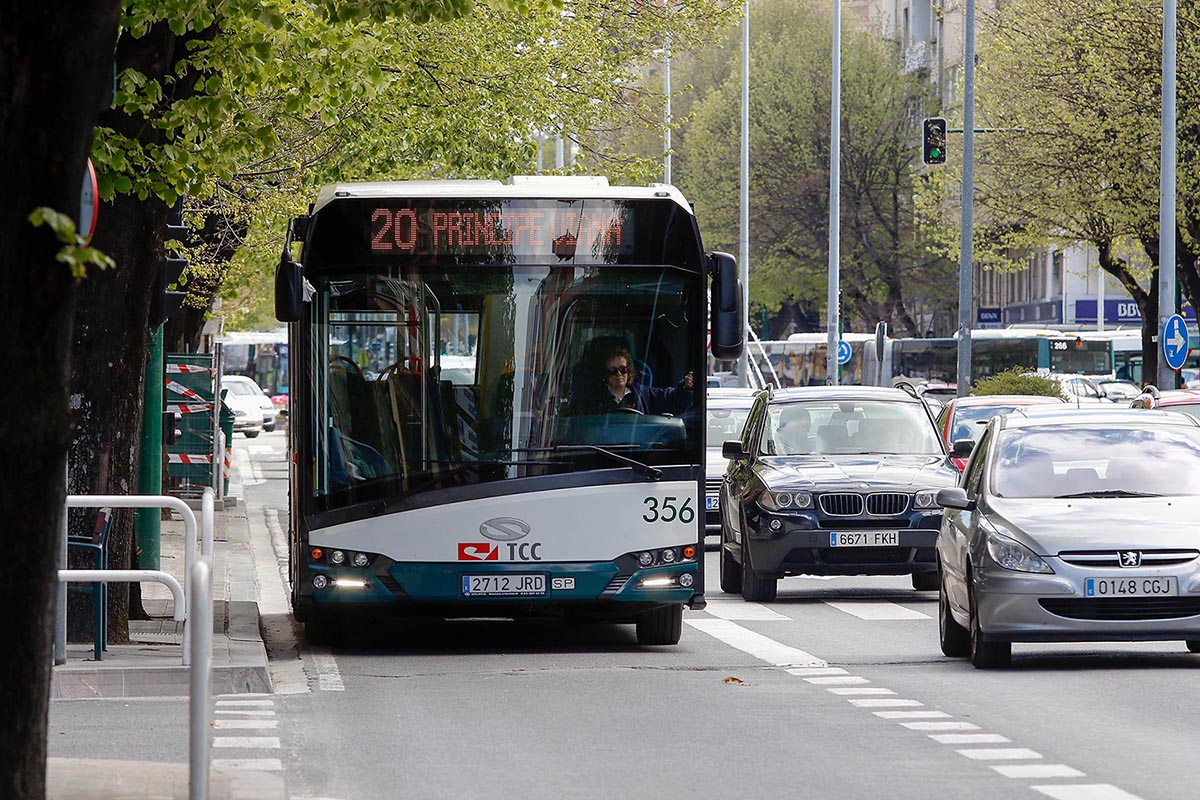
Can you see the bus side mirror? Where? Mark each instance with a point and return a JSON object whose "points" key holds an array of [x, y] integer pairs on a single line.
{"points": [[726, 324], [289, 290]]}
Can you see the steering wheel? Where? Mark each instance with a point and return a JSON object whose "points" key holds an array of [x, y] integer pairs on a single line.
{"points": [[631, 410], [342, 360]]}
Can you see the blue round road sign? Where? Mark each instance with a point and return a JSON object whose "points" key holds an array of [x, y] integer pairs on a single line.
{"points": [[1174, 341], [844, 352]]}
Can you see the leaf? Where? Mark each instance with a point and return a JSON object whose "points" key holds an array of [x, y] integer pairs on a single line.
{"points": [[735, 681]]}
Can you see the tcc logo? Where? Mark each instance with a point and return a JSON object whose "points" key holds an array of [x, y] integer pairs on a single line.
{"points": [[478, 551], [505, 529]]}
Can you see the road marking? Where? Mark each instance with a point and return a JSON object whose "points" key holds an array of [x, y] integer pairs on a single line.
{"points": [[817, 671], [257, 703], [911, 714], [255, 764], [969, 738], [884, 702], [271, 742], [1095, 791], [876, 611], [245, 724], [329, 678], [1037, 771], [757, 645], [1000, 754], [940, 726], [836, 680], [732, 609], [859, 690], [256, 712]]}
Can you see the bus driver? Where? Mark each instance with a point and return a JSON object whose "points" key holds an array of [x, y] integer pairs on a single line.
{"points": [[621, 393]]}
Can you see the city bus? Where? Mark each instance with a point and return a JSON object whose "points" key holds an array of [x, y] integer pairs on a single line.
{"points": [[996, 350], [457, 446]]}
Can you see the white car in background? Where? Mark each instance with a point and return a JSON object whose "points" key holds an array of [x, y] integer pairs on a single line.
{"points": [[246, 395]]}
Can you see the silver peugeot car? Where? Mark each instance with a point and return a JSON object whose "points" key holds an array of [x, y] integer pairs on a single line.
{"points": [[1072, 525]]}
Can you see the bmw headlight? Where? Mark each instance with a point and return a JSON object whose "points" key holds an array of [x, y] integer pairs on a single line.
{"points": [[785, 501], [1013, 555], [926, 499]]}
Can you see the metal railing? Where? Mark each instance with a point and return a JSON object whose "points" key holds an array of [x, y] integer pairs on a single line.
{"points": [[205, 541]]}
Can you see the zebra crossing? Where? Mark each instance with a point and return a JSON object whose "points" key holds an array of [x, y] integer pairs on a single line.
{"points": [[246, 733]]}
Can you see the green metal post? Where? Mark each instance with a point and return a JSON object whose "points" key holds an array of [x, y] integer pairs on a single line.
{"points": [[147, 523]]}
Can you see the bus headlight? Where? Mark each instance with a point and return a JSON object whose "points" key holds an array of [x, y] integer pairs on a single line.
{"points": [[686, 580], [320, 581], [337, 557], [668, 556], [646, 559], [361, 559]]}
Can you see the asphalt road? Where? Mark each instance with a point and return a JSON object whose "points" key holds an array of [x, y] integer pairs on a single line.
{"points": [[836, 690]]}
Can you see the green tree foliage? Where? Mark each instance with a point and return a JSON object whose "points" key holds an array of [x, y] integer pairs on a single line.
{"points": [[1018, 380], [1082, 79], [886, 268]]}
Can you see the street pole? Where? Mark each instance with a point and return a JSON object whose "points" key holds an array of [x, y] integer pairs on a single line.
{"points": [[968, 202], [1100, 298], [744, 201], [667, 110], [147, 521], [835, 201], [1166, 193]]}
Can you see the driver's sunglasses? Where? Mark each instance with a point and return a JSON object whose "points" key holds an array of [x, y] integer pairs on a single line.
{"points": [[621, 370]]}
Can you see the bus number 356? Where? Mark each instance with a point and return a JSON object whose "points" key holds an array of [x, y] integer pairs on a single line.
{"points": [[666, 510]]}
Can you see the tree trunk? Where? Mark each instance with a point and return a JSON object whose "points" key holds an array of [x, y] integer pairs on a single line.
{"points": [[54, 64]]}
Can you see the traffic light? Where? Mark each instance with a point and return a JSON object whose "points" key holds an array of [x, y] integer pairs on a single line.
{"points": [[933, 150], [164, 302]]}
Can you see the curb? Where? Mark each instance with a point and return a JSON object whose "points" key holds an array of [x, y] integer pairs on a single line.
{"points": [[91, 779]]}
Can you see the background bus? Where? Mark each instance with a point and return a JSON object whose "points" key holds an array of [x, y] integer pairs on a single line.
{"points": [[452, 375], [993, 351]]}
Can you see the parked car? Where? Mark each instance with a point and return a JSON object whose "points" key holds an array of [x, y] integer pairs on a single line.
{"points": [[722, 380], [964, 417], [245, 394], [1072, 525], [1186, 401], [727, 412], [832, 481]]}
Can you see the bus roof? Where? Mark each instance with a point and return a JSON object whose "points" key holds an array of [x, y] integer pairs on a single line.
{"points": [[584, 187]]}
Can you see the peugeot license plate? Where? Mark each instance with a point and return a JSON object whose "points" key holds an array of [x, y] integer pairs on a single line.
{"points": [[864, 539], [712, 503], [1132, 586], [503, 585]]}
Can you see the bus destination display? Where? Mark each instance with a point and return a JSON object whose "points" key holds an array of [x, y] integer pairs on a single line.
{"points": [[429, 230]]}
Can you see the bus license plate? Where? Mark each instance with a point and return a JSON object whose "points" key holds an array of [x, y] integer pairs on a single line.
{"points": [[503, 585], [712, 503], [864, 539], [1131, 586]]}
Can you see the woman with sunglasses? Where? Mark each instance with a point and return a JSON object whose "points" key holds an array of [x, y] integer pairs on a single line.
{"points": [[622, 394]]}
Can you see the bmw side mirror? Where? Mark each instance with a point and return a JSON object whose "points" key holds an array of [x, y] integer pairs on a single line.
{"points": [[962, 448], [733, 449], [955, 497]]}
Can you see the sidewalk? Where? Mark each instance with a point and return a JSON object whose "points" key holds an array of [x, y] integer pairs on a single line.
{"points": [[151, 666]]}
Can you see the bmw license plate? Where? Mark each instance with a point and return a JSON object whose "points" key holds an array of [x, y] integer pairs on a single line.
{"points": [[712, 503], [1133, 586], [864, 539], [503, 585]]}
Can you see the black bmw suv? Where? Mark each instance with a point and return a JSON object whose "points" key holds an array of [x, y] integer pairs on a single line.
{"points": [[837, 480]]}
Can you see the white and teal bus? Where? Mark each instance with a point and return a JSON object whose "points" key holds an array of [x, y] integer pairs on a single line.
{"points": [[497, 401]]}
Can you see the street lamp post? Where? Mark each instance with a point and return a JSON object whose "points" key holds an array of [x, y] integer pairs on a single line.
{"points": [[744, 220], [968, 200], [1166, 192], [835, 183]]}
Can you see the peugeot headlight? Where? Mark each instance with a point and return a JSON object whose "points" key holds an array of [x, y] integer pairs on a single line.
{"points": [[1013, 555], [785, 501], [926, 498]]}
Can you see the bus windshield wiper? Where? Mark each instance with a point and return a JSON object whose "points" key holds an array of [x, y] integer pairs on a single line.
{"points": [[653, 473], [1106, 493]]}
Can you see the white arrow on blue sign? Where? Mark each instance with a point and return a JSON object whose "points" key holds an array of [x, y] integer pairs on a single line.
{"points": [[1174, 339], [844, 352]]}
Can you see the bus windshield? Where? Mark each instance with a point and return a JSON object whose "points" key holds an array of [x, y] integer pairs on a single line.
{"points": [[428, 377]]}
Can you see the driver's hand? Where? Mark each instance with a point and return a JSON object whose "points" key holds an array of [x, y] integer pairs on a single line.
{"points": [[688, 381]]}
